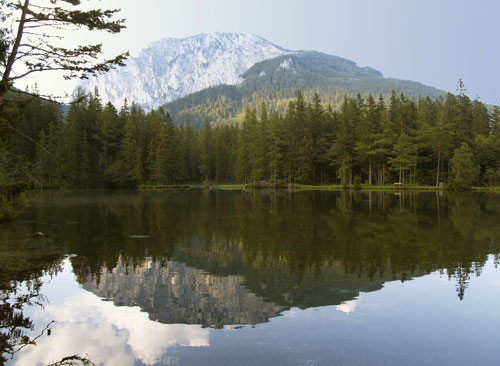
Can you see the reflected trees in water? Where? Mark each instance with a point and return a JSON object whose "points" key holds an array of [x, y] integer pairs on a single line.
{"points": [[281, 249]]}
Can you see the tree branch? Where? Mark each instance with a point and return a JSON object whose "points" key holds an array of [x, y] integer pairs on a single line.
{"points": [[29, 138], [37, 52], [33, 341]]}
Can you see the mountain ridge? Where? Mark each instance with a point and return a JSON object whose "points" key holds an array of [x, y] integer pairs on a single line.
{"points": [[276, 81], [172, 68], [216, 75]]}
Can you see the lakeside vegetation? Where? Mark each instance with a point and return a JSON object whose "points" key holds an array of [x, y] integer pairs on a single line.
{"points": [[29, 118], [450, 142], [407, 141]]}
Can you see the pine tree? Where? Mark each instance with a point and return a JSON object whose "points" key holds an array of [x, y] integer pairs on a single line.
{"points": [[263, 142], [275, 146], [206, 151], [110, 134], [495, 120], [128, 169], [73, 140], [480, 119], [56, 157], [341, 153], [464, 169], [189, 152], [302, 142], [404, 156], [367, 129], [464, 116], [247, 156]]}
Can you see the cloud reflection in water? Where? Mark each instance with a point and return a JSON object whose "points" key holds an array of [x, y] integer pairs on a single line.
{"points": [[109, 335]]}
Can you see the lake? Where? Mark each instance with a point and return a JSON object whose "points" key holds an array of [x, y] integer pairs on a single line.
{"points": [[258, 278]]}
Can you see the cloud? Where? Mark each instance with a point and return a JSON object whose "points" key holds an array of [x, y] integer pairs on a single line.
{"points": [[349, 306], [109, 335]]}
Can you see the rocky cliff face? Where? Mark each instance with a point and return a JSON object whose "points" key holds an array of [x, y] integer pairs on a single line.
{"points": [[174, 293], [172, 68]]}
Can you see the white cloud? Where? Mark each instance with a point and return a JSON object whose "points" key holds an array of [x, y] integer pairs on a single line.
{"points": [[109, 335], [349, 306]]}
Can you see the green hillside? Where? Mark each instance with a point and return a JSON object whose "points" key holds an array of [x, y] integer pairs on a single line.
{"points": [[276, 81]]}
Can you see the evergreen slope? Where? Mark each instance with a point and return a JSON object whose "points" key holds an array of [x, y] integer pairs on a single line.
{"points": [[452, 140], [276, 81]]}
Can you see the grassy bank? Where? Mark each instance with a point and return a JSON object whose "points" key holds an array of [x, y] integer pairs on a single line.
{"points": [[165, 187], [366, 187], [337, 187], [311, 187]]}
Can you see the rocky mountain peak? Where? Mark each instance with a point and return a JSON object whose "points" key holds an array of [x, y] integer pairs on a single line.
{"points": [[171, 68]]}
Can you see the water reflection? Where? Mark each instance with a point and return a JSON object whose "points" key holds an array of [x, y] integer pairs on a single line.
{"points": [[23, 262], [173, 293], [125, 334], [169, 264], [349, 306]]}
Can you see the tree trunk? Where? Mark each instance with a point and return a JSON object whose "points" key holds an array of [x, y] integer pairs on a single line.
{"points": [[4, 84], [383, 173], [438, 166], [370, 172]]}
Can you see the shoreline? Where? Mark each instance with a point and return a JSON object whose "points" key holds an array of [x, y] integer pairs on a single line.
{"points": [[294, 187]]}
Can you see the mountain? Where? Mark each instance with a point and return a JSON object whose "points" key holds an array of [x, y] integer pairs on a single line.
{"points": [[275, 82], [173, 293], [173, 68], [217, 75]]}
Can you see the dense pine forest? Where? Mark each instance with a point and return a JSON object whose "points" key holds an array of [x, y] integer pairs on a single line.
{"points": [[450, 141]]}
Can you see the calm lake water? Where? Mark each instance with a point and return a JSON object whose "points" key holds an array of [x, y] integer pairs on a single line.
{"points": [[233, 278]]}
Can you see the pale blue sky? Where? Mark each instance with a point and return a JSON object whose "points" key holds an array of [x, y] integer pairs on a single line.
{"points": [[432, 41]]}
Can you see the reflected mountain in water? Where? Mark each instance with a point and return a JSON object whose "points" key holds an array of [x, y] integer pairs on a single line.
{"points": [[220, 258], [173, 293]]}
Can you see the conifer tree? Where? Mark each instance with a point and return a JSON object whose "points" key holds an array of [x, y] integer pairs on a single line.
{"points": [[341, 152], [404, 156], [302, 142], [319, 132], [464, 116], [206, 151], [480, 119], [55, 157], [495, 120], [110, 134], [247, 156], [189, 151], [368, 128], [463, 167], [263, 143], [74, 140], [275, 146]]}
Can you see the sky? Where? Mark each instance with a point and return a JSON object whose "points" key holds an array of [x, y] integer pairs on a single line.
{"points": [[435, 42]]}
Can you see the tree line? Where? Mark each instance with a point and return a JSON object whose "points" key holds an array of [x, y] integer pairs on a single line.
{"points": [[27, 48], [451, 140]]}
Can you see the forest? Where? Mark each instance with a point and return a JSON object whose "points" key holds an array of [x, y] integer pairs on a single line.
{"points": [[451, 141]]}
